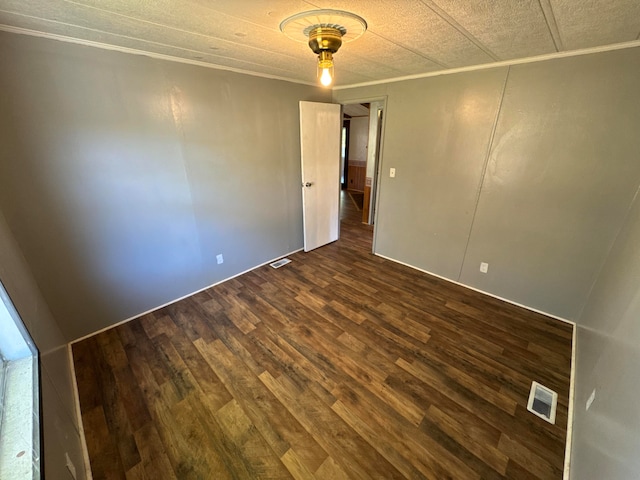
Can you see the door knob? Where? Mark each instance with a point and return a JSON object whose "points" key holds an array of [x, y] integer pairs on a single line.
{"points": [[308, 184]]}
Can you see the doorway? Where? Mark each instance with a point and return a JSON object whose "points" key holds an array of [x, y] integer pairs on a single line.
{"points": [[362, 132], [361, 147]]}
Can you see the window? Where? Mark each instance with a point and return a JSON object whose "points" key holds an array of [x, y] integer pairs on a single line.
{"points": [[19, 397]]}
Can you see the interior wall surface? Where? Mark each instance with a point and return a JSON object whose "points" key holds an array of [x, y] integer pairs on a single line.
{"points": [[605, 437], [122, 177], [59, 420], [529, 168], [358, 139]]}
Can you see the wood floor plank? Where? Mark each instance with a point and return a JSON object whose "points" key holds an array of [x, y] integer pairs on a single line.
{"points": [[155, 463], [201, 446], [295, 465], [211, 386], [330, 470], [457, 386], [90, 395], [354, 455], [276, 424], [490, 455], [533, 463], [105, 458], [339, 365], [135, 407], [137, 473], [251, 448], [371, 417], [408, 469]]}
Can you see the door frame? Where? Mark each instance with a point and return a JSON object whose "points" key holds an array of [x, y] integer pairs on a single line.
{"points": [[376, 192], [346, 125]]}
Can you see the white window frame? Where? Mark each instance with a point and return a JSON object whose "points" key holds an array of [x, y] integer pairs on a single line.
{"points": [[20, 425]]}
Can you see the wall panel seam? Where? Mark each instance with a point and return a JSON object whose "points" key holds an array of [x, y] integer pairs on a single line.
{"points": [[484, 171]]}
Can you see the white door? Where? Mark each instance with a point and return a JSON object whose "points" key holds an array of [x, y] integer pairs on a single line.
{"points": [[320, 143]]}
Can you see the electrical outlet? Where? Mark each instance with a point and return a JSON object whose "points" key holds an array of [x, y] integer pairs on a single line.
{"points": [[591, 398], [70, 466], [392, 172], [219, 258], [484, 267]]}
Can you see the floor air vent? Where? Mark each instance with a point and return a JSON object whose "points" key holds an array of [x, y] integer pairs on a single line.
{"points": [[543, 402], [280, 263]]}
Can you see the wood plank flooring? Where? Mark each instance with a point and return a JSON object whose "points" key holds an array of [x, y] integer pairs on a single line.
{"points": [[340, 365]]}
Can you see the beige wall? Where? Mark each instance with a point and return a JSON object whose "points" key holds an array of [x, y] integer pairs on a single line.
{"points": [[607, 437], [358, 138], [122, 177], [529, 168], [59, 416]]}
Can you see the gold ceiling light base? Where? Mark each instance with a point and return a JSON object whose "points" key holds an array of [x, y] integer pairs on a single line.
{"points": [[323, 39], [325, 31]]}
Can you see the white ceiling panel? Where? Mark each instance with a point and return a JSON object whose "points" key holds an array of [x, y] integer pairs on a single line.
{"points": [[375, 52], [508, 29], [413, 25], [591, 23], [405, 37], [267, 13], [231, 34]]}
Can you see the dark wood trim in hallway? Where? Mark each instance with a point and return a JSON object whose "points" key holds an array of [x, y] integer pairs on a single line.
{"points": [[339, 365]]}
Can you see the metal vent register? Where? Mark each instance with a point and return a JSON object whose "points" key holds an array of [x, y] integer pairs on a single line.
{"points": [[543, 402], [280, 263]]}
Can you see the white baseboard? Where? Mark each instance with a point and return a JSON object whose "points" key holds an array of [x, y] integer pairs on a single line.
{"points": [[572, 399], [526, 307], [76, 397]]}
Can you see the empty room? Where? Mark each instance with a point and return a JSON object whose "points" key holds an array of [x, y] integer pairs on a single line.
{"points": [[319, 240]]}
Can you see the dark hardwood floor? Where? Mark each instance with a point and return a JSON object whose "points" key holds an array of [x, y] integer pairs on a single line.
{"points": [[351, 213], [339, 365]]}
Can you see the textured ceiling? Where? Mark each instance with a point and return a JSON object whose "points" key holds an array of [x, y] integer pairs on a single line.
{"points": [[405, 37]]}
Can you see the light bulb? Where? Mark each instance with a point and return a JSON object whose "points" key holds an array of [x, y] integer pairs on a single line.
{"points": [[325, 78]]}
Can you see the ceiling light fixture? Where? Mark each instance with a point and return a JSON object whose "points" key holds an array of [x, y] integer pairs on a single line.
{"points": [[325, 31]]}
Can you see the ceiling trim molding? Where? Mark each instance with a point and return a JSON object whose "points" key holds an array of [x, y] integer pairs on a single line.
{"points": [[134, 51], [171, 58], [504, 63]]}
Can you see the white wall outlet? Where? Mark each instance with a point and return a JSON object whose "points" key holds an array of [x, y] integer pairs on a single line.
{"points": [[70, 466], [219, 258], [392, 172], [591, 398], [484, 267]]}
